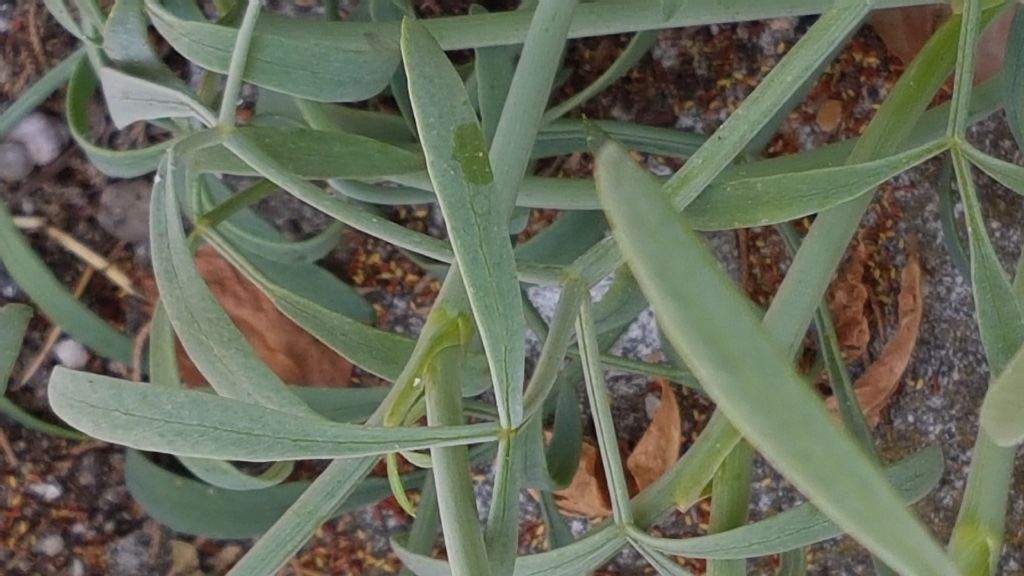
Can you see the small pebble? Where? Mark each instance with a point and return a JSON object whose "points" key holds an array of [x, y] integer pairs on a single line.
{"points": [[77, 568], [46, 491], [50, 545], [651, 404], [124, 210], [71, 354], [830, 115], [6, 12], [42, 135], [15, 163]]}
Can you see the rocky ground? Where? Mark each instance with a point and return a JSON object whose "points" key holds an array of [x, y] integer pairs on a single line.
{"points": [[65, 508]]}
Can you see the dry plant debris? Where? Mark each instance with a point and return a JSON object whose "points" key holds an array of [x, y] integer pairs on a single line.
{"points": [[292, 353], [847, 300], [880, 380], [656, 452]]}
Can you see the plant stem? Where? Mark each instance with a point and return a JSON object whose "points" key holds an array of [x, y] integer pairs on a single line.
{"points": [[453, 480], [236, 69]]}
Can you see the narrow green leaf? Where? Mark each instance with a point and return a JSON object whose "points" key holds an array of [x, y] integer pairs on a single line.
{"points": [[423, 534], [130, 99], [191, 507], [947, 214], [577, 558], [377, 125], [564, 136], [793, 563], [637, 48], [343, 210], [730, 500], [978, 533], [565, 239], [315, 155], [510, 27], [664, 565], [237, 223], [670, 8], [703, 327], [814, 264], [841, 19], [1007, 174], [1002, 414], [759, 201], [59, 10], [210, 338], [21, 416], [1000, 317], [600, 409], [963, 77], [457, 161], [36, 279], [749, 196], [314, 59], [314, 507], [801, 525], [14, 320], [191, 423], [493, 68], [559, 534], [522, 115], [39, 91], [115, 163]]}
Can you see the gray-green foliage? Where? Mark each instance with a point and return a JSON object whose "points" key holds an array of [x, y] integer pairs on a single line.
{"points": [[466, 138]]}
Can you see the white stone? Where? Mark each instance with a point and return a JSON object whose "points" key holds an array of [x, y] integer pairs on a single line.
{"points": [[51, 545], [43, 136], [71, 354], [46, 491]]}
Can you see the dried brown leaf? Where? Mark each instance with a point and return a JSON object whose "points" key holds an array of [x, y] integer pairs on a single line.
{"points": [[656, 452], [847, 299], [829, 115], [587, 494], [659, 447], [905, 31], [874, 389], [295, 356]]}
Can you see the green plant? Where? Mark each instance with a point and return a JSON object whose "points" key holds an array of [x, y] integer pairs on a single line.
{"points": [[466, 139]]}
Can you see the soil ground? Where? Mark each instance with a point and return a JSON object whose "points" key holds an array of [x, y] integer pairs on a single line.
{"points": [[65, 509]]}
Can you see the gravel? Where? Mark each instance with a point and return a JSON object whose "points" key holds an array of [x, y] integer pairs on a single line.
{"points": [[43, 136], [15, 162]]}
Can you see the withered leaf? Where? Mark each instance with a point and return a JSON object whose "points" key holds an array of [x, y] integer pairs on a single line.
{"points": [[587, 494], [295, 356], [847, 299], [656, 452], [905, 31], [875, 387], [659, 447]]}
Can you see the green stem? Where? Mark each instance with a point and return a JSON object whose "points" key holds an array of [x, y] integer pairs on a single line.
{"points": [[236, 69], [963, 80], [19, 415], [597, 391], [456, 501], [228, 208]]}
